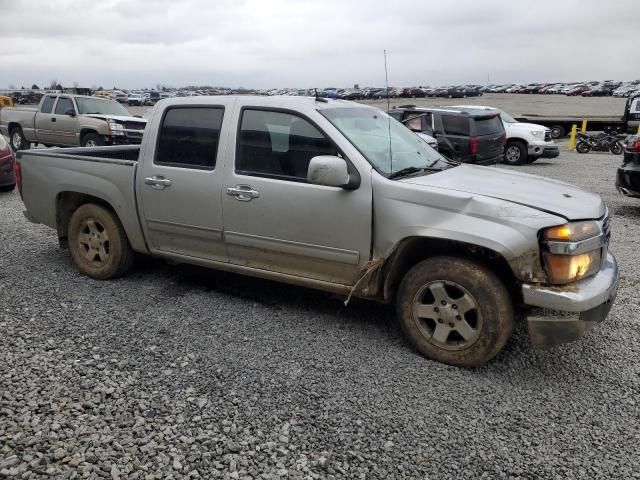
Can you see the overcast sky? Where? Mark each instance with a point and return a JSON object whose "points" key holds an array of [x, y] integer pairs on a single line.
{"points": [[315, 43]]}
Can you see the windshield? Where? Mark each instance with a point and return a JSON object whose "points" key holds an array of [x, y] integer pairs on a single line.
{"points": [[506, 118], [372, 132], [88, 105]]}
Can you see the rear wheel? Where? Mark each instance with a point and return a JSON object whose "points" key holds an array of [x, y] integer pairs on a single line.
{"points": [[98, 242], [455, 311], [17, 140], [7, 188], [557, 131], [582, 147], [515, 153]]}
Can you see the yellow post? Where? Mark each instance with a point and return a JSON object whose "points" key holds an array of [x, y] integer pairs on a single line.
{"points": [[638, 129], [584, 126], [572, 139]]}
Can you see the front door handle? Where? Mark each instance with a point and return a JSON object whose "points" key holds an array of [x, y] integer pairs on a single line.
{"points": [[53, 119], [158, 182], [243, 193]]}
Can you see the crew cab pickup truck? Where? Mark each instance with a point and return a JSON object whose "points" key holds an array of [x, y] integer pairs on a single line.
{"points": [[340, 197], [71, 120]]}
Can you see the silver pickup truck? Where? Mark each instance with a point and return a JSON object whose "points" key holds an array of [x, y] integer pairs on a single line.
{"points": [[336, 196], [69, 121]]}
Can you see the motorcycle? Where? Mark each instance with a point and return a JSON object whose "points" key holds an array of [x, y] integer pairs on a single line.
{"points": [[607, 141]]}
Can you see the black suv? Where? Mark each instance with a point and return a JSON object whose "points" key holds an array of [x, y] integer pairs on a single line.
{"points": [[465, 135]]}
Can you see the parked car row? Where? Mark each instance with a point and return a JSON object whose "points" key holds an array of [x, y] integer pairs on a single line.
{"points": [[585, 89]]}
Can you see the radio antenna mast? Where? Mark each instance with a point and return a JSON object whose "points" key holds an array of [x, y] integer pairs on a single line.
{"points": [[386, 85]]}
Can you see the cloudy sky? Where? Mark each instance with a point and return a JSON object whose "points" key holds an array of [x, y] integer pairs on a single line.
{"points": [[309, 43]]}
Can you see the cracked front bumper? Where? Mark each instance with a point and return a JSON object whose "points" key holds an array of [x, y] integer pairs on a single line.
{"points": [[543, 150], [563, 314]]}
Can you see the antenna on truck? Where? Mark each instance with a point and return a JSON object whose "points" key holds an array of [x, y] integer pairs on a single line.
{"points": [[386, 85]]}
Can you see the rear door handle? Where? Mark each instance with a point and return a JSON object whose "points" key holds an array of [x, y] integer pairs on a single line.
{"points": [[53, 119], [243, 193], [158, 182]]}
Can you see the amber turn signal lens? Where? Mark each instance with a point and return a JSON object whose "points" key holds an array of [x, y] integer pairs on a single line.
{"points": [[572, 232]]}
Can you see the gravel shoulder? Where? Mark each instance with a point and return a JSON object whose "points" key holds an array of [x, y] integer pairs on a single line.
{"points": [[179, 372]]}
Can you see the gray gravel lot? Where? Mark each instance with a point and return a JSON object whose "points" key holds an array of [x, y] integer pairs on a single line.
{"points": [[178, 372]]}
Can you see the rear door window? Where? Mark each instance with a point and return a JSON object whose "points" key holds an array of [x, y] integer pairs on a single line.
{"points": [[47, 104], [455, 125], [189, 137], [488, 126]]}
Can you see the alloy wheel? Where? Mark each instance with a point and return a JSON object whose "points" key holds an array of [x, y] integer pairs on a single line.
{"points": [[447, 315], [94, 242]]}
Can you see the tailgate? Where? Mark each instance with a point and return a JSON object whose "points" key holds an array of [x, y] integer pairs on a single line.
{"points": [[491, 135]]}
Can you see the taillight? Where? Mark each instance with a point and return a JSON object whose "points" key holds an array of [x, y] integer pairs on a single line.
{"points": [[503, 139], [18, 172], [473, 146], [634, 147]]}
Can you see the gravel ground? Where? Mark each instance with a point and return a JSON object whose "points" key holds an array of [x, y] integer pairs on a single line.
{"points": [[178, 372]]}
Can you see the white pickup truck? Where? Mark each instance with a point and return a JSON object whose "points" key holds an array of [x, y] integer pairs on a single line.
{"points": [[337, 196]]}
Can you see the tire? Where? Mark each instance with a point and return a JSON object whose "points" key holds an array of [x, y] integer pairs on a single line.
{"points": [[98, 243], [616, 148], [17, 140], [515, 153], [582, 147], [7, 188], [92, 140], [557, 131], [466, 340]]}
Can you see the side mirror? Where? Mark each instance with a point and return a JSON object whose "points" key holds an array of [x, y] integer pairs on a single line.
{"points": [[328, 170], [71, 112]]}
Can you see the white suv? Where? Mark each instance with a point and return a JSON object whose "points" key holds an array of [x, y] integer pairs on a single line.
{"points": [[526, 142]]}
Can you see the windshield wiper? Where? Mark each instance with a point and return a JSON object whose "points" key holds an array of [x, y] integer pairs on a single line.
{"points": [[453, 163], [410, 170]]}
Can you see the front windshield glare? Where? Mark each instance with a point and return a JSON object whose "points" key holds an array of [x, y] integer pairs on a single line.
{"points": [[95, 105], [387, 144]]}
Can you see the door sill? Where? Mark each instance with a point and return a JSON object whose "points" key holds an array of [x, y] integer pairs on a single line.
{"points": [[325, 286]]}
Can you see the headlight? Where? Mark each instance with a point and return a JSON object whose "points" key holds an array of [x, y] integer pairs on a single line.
{"points": [[115, 127], [572, 232], [538, 134], [572, 251], [569, 268]]}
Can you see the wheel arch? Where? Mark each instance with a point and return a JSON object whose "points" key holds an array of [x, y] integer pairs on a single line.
{"points": [[517, 139], [87, 130], [68, 202], [413, 250]]}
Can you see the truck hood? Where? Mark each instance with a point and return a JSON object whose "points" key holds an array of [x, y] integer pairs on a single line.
{"points": [[551, 196], [528, 126], [118, 118]]}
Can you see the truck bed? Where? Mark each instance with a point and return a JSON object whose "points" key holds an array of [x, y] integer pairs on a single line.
{"points": [[109, 173]]}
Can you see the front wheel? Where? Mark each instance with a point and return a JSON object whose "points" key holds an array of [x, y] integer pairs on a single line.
{"points": [[616, 148], [98, 242], [92, 140], [455, 311], [515, 153], [582, 147]]}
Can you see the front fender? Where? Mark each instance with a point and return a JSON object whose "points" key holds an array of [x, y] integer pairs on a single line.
{"points": [[509, 229]]}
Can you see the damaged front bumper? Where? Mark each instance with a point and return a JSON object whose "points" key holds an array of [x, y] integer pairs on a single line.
{"points": [[565, 313]]}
